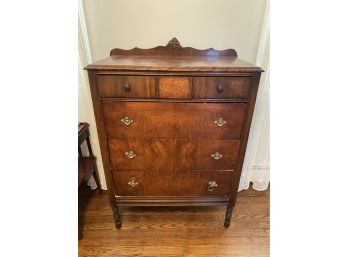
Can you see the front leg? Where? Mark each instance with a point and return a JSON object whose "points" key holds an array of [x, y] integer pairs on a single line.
{"points": [[117, 217], [228, 216]]}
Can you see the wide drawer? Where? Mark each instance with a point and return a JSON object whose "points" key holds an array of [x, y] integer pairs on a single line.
{"points": [[173, 120], [126, 86], [221, 88], [171, 183], [172, 154]]}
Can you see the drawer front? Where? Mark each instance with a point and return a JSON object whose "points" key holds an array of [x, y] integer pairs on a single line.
{"points": [[126, 86], [172, 183], [174, 87], [221, 88], [206, 154], [173, 120], [173, 154], [141, 154]]}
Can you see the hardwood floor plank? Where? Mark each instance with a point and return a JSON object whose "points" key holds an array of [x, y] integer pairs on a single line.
{"points": [[178, 231]]}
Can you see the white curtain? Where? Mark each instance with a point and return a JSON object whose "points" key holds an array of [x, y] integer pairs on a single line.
{"points": [[256, 168]]}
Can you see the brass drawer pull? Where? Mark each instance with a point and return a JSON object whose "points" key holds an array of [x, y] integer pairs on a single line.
{"points": [[127, 87], [216, 156], [219, 88], [220, 122], [211, 185], [126, 121], [133, 182], [130, 154]]}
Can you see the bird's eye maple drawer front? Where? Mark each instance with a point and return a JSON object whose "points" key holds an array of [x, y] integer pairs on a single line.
{"points": [[206, 154], [173, 120], [221, 88], [174, 87], [172, 183], [120, 86]]}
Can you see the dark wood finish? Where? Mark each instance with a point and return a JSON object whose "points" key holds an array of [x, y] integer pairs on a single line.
{"points": [[126, 86], [187, 105], [86, 169], [103, 146], [173, 48], [150, 154], [170, 183], [171, 201], [169, 58], [86, 164], [196, 155], [221, 87], [173, 154], [173, 120], [179, 231], [174, 87]]}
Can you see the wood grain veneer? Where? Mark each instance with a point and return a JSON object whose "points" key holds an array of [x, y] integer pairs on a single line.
{"points": [[173, 124]]}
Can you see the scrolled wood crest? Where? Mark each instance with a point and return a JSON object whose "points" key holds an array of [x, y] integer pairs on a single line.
{"points": [[173, 48], [174, 43]]}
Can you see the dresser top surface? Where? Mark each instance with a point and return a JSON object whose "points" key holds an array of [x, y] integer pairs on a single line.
{"points": [[174, 58], [174, 63]]}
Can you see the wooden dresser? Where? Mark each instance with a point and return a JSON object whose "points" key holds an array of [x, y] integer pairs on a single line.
{"points": [[173, 124]]}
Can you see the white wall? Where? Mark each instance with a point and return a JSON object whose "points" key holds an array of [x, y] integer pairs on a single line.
{"points": [[199, 23]]}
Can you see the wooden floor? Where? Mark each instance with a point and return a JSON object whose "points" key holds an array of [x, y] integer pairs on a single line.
{"points": [[178, 231]]}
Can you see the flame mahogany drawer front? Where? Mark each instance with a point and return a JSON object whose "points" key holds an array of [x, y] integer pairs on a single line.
{"points": [[171, 183], [173, 124], [172, 154], [173, 120]]}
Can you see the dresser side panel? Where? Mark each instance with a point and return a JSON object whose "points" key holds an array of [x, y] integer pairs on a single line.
{"points": [[244, 136], [92, 75]]}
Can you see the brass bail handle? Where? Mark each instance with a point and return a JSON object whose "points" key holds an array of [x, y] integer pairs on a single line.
{"points": [[132, 182], [216, 156], [127, 121], [130, 154], [211, 185], [220, 122]]}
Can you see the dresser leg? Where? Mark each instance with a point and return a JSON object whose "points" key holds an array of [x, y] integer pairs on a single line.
{"points": [[117, 217], [228, 216]]}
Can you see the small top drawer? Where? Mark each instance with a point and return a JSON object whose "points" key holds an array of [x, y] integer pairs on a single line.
{"points": [[174, 87], [221, 88], [126, 86]]}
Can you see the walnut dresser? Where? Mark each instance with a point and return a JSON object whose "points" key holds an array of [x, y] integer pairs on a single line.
{"points": [[173, 124]]}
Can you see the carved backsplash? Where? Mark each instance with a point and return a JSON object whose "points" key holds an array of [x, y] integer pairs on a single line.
{"points": [[174, 48]]}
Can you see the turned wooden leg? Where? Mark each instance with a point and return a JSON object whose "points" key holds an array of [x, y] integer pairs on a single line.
{"points": [[228, 216], [117, 217], [96, 178]]}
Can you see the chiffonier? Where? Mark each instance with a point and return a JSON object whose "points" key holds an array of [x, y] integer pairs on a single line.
{"points": [[173, 124]]}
